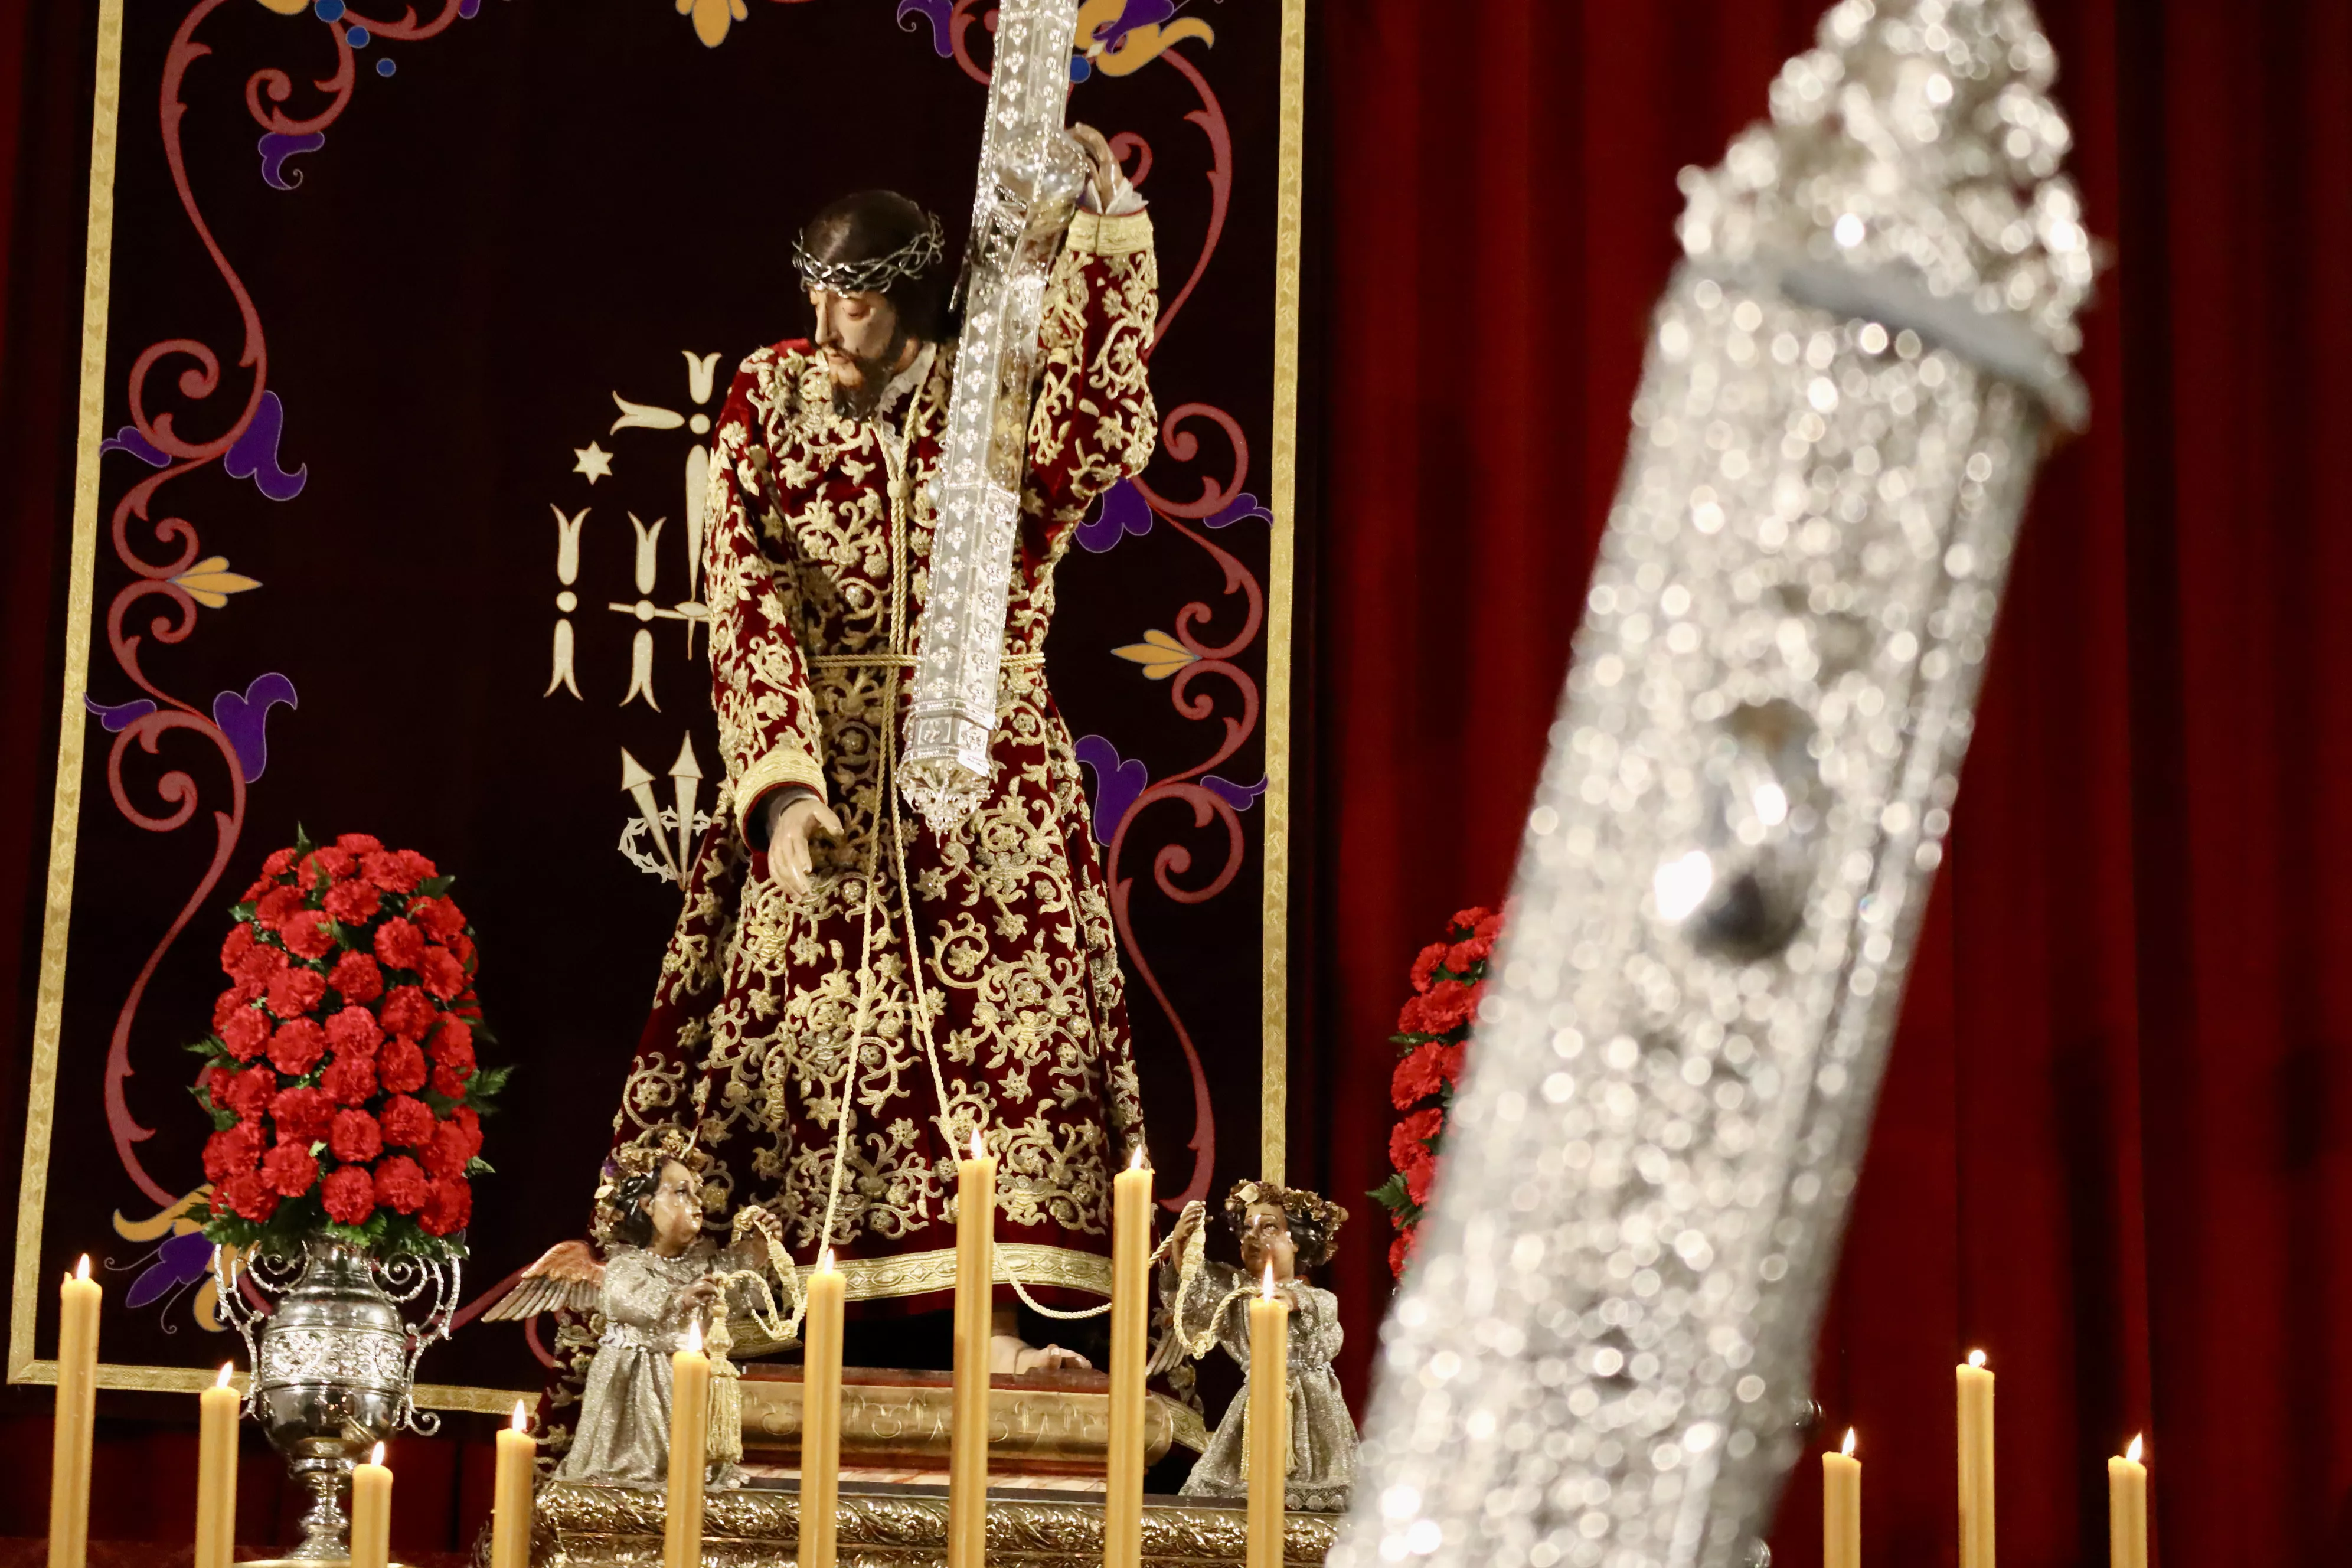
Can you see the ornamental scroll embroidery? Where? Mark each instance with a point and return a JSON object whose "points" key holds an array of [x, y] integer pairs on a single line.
{"points": [[356, 1358]]}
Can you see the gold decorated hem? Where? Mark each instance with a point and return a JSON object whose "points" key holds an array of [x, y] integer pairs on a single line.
{"points": [[1097, 234], [918, 1273], [784, 765]]}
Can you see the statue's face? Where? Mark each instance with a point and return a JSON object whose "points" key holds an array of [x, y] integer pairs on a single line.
{"points": [[1265, 1239], [863, 342], [675, 1210]]}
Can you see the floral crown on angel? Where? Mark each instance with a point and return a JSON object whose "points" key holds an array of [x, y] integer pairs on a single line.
{"points": [[641, 1159], [876, 274]]}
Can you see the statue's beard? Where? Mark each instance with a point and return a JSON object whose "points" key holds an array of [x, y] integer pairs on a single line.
{"points": [[863, 399]]}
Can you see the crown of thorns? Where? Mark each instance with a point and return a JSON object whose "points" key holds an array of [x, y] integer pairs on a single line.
{"points": [[878, 274]]}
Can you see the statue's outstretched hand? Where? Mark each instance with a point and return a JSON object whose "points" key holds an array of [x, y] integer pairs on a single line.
{"points": [[793, 821]]}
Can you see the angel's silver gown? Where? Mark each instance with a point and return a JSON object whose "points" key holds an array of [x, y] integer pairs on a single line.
{"points": [[1322, 1434], [624, 1436]]}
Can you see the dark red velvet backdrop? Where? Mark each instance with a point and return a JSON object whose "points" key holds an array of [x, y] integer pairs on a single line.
{"points": [[2112, 1148]]}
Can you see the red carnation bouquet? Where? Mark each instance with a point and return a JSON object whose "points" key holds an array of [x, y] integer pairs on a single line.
{"points": [[340, 1077], [1434, 1028]]}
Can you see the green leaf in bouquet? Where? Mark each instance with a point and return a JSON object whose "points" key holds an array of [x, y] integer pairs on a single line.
{"points": [[433, 887], [488, 1081], [440, 1103], [302, 845], [242, 913], [477, 1166], [1390, 1194]]}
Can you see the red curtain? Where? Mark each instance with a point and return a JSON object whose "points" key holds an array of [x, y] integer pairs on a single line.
{"points": [[2114, 1146]]}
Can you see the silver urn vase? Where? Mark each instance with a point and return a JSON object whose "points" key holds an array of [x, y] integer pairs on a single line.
{"points": [[334, 1362]]}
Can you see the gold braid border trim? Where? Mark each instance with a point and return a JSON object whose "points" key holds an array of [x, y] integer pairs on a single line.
{"points": [[758, 1528], [784, 765], [916, 1273], [1093, 234]]}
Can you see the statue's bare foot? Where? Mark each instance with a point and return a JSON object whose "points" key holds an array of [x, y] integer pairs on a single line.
{"points": [[1008, 1353]]}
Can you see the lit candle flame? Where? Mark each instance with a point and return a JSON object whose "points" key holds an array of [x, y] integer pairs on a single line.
{"points": [[81, 1269], [2132, 1452], [1267, 1287], [979, 1149], [825, 1261], [520, 1423], [1136, 1162], [377, 1457], [694, 1337], [222, 1380], [1848, 1449], [1976, 1358]]}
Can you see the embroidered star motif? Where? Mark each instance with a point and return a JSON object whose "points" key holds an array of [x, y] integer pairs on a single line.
{"points": [[594, 461]]}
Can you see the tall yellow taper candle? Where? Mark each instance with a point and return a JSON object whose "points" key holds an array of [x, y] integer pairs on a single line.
{"points": [[2128, 1510], [1269, 1423], [216, 1410], [1130, 1310], [975, 1303], [371, 1513], [1841, 1508], [510, 1495], [77, 1414], [689, 1439], [1976, 1462], [821, 1414]]}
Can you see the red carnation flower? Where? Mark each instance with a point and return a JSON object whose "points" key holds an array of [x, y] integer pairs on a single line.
{"points": [[260, 964], [445, 1155], [302, 1115], [226, 1004], [291, 1168], [1424, 966], [231, 1153], [249, 1195], [349, 1080], [402, 1185], [414, 866], [1448, 1062], [1400, 1253], [407, 1121], [1418, 1181], [442, 974], [461, 948], [360, 844], [356, 978], [245, 1032], [239, 942], [347, 1195], [451, 1205], [1413, 1017], [400, 1066], [246, 1094], [470, 1125], [355, 1138], [298, 1047], [394, 872], [441, 918], [276, 905], [407, 1013], [337, 863], [399, 944], [1467, 920], [354, 903], [308, 934], [1462, 956], [1449, 1004], [1488, 928], [1408, 1152], [353, 1032], [255, 889], [452, 1039], [280, 861], [1416, 1076], [296, 992]]}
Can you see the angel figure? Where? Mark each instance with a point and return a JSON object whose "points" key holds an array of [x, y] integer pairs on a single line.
{"points": [[659, 1275], [1281, 1230]]}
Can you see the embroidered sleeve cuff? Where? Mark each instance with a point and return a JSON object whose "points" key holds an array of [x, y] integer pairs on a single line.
{"points": [[1100, 234], [784, 765]]}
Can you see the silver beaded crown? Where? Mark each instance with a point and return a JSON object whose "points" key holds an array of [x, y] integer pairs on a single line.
{"points": [[877, 274]]}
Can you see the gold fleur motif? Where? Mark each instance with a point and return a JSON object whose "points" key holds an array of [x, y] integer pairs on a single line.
{"points": [[712, 18], [210, 581], [1161, 655]]}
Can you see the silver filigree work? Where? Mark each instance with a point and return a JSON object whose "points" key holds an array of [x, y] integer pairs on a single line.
{"points": [[1848, 387], [1030, 174]]}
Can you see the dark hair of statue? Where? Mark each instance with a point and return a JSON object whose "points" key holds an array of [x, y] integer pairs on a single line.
{"points": [[633, 1214], [1312, 1219], [871, 224]]}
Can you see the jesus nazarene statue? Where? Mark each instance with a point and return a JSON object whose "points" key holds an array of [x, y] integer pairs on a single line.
{"points": [[970, 977]]}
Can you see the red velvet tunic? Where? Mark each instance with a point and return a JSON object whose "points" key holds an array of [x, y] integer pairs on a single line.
{"points": [[819, 528]]}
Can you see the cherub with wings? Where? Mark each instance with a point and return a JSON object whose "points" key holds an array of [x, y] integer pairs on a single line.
{"points": [[660, 1274]]}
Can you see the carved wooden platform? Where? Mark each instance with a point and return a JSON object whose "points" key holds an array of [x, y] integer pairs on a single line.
{"points": [[899, 1527]]}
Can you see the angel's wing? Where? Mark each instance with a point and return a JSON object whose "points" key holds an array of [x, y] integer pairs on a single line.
{"points": [[566, 1276]]}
